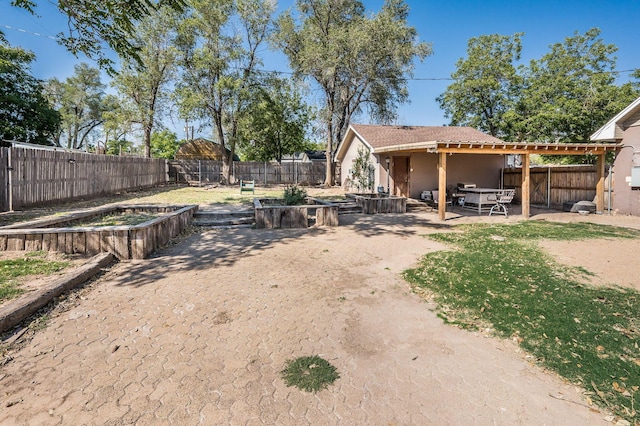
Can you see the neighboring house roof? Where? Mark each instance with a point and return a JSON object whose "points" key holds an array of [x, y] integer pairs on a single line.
{"points": [[201, 149], [298, 157], [612, 131], [382, 138], [315, 155]]}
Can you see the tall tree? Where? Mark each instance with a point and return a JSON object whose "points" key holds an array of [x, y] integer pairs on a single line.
{"points": [[276, 123], [358, 62], [485, 84], [143, 83], [571, 91], [25, 112], [80, 101], [95, 23], [219, 43]]}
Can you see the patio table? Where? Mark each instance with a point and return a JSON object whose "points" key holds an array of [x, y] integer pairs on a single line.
{"points": [[477, 199]]}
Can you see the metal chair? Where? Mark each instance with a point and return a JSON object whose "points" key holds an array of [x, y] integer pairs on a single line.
{"points": [[502, 199]]}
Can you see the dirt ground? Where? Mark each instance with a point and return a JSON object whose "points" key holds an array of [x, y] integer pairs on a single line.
{"points": [[199, 332]]}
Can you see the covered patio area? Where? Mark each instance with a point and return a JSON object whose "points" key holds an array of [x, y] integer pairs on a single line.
{"points": [[525, 150]]}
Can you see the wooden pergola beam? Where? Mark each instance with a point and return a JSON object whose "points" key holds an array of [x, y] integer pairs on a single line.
{"points": [[526, 186], [442, 185], [600, 183]]}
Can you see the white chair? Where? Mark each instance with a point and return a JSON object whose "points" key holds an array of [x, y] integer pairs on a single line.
{"points": [[502, 199]]}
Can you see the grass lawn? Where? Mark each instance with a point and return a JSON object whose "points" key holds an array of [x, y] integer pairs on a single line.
{"points": [[497, 277], [169, 194], [14, 271]]}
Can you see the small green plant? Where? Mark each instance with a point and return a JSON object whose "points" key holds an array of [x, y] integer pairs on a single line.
{"points": [[309, 373], [294, 195], [11, 270], [362, 170]]}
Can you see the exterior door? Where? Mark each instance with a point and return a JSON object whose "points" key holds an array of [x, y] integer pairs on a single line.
{"points": [[401, 176]]}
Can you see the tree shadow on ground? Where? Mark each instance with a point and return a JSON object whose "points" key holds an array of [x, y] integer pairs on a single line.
{"points": [[222, 248]]}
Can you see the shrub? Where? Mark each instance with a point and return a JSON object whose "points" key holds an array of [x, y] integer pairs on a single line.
{"points": [[294, 195]]}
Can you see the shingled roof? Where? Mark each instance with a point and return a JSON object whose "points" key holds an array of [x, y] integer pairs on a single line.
{"points": [[379, 136]]}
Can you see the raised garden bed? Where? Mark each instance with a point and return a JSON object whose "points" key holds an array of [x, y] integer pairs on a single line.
{"points": [[379, 203], [271, 213], [63, 234]]}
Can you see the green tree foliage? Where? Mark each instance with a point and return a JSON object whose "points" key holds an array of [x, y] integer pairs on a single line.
{"points": [[562, 97], [80, 99], [219, 41], [276, 123], [96, 23], [164, 144], [119, 147], [116, 125], [357, 61], [485, 84], [143, 83], [25, 113], [571, 91]]}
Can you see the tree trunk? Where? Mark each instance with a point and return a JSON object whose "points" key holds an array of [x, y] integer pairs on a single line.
{"points": [[329, 175], [147, 141], [226, 159]]}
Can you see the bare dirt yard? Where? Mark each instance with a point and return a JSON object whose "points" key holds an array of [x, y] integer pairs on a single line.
{"points": [[200, 332]]}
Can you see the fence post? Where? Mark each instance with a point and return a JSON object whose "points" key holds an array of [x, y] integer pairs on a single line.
{"points": [[10, 178], [265, 173], [199, 173]]}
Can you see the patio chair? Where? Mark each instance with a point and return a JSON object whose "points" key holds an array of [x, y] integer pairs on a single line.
{"points": [[502, 199], [435, 197]]}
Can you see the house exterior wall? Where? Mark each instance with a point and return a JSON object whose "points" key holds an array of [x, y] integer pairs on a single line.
{"points": [[347, 163], [626, 200], [481, 169]]}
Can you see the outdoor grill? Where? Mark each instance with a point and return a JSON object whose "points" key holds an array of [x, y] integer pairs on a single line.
{"points": [[464, 185]]}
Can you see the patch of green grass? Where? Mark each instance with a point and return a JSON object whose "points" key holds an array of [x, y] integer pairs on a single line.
{"points": [[497, 277], [309, 373], [119, 219], [12, 270]]}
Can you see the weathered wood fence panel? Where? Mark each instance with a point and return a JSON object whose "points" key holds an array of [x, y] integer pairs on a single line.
{"points": [[264, 173], [552, 186], [4, 179], [195, 171], [41, 177]]}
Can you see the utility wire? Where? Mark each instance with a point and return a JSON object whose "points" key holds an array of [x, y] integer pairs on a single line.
{"points": [[291, 73], [28, 32]]}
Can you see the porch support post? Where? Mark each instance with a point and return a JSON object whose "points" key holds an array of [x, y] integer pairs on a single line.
{"points": [[600, 184], [526, 197], [442, 185]]}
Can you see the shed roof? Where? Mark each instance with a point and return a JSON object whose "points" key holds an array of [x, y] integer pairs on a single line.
{"points": [[201, 149]]}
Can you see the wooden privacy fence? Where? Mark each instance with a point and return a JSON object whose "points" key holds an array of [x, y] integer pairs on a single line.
{"points": [[31, 177], [552, 186], [205, 172], [4, 181]]}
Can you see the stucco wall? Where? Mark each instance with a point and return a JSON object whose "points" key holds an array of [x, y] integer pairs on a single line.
{"points": [[483, 170], [625, 199], [347, 162]]}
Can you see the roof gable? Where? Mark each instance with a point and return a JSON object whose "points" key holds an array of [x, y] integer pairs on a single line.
{"points": [[610, 131]]}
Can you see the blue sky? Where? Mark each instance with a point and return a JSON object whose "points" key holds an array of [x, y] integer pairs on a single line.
{"points": [[447, 25]]}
